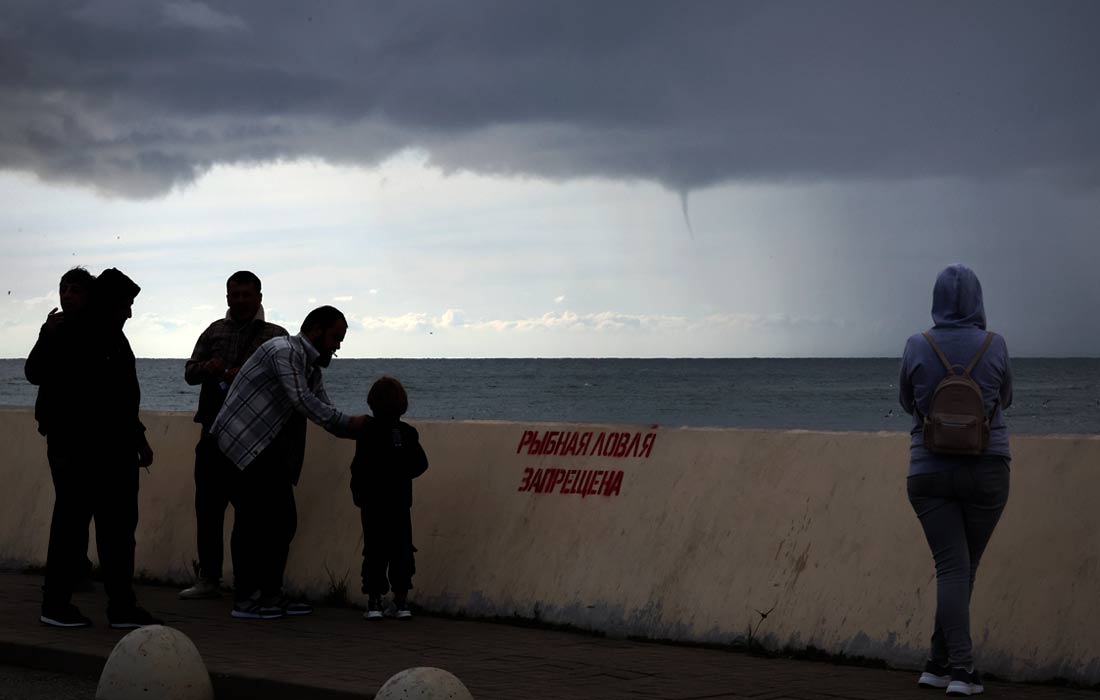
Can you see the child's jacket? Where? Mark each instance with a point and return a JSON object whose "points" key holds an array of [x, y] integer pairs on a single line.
{"points": [[388, 456]]}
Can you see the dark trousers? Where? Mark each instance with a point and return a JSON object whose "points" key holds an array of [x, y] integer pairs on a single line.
{"points": [[215, 478], [387, 544], [265, 519], [100, 484], [958, 510], [58, 472]]}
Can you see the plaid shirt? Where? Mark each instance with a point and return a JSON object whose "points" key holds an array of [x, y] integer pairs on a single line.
{"points": [[279, 379]]}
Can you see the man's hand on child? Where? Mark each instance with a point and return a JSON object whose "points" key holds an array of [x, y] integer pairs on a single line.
{"points": [[357, 424]]}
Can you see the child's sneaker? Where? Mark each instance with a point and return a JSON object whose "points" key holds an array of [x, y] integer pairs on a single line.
{"points": [[374, 609], [295, 607], [257, 608], [934, 675], [402, 612]]}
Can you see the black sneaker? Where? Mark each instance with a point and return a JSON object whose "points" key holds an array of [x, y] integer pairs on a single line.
{"points": [[131, 618], [935, 675], [964, 682], [257, 608], [67, 615]]}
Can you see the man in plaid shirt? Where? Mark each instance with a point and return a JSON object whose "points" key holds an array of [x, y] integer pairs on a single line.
{"points": [[219, 354], [261, 429]]}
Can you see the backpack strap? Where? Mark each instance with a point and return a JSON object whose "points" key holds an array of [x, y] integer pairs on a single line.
{"points": [[981, 351], [947, 363], [943, 358]]}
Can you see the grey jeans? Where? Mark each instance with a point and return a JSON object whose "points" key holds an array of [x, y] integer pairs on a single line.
{"points": [[958, 509]]}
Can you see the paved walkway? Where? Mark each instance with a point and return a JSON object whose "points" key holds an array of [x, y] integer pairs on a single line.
{"points": [[334, 653]]}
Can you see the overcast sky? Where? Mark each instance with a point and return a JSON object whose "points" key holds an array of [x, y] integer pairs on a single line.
{"points": [[551, 178]]}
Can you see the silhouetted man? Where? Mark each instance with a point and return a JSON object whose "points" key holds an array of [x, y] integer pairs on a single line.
{"points": [[262, 430], [74, 293], [219, 353], [96, 445]]}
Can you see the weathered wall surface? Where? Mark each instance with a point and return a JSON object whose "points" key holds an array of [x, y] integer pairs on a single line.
{"points": [[668, 533]]}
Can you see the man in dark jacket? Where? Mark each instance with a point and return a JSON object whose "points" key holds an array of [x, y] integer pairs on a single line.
{"points": [[75, 294], [219, 354], [96, 445]]}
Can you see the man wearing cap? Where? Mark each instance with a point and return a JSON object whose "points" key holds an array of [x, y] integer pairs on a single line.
{"points": [[96, 445]]}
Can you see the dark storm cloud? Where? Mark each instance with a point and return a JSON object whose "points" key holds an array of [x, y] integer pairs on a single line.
{"points": [[135, 97]]}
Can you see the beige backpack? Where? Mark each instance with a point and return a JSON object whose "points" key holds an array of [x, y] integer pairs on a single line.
{"points": [[956, 423]]}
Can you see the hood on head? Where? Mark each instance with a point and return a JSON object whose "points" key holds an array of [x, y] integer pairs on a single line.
{"points": [[114, 287], [957, 299]]}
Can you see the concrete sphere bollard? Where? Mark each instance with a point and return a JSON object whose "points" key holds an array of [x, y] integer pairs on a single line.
{"points": [[423, 683], [155, 662]]}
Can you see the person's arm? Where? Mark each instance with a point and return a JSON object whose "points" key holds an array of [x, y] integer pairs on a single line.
{"points": [[359, 461], [355, 423], [292, 371], [360, 473], [145, 452], [416, 461], [905, 383], [1006, 381], [321, 392], [203, 365], [37, 366]]}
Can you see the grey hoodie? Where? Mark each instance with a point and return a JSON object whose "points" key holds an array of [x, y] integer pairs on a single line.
{"points": [[959, 330]]}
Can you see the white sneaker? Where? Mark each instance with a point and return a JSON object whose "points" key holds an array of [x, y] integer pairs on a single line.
{"points": [[965, 682], [934, 676], [202, 590], [374, 610], [402, 612]]}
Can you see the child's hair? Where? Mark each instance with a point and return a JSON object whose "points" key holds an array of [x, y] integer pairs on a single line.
{"points": [[387, 398]]}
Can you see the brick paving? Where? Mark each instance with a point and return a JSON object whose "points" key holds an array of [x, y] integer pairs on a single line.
{"points": [[334, 653]]}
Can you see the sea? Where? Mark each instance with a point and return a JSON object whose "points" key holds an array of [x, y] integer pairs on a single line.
{"points": [[1052, 396]]}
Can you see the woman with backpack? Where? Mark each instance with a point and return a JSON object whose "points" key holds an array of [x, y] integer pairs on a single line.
{"points": [[956, 382]]}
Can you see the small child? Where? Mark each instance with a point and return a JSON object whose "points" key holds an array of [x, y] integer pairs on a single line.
{"points": [[388, 456]]}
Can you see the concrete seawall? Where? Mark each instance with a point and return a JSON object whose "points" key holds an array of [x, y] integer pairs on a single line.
{"points": [[685, 534]]}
